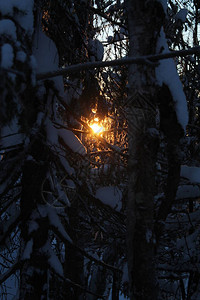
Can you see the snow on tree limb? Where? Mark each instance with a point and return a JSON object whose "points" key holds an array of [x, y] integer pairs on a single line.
{"points": [[166, 73], [12, 270], [149, 59]]}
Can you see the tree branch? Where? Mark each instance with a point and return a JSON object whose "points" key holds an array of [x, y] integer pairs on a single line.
{"points": [[67, 280], [10, 225], [149, 59], [7, 274], [89, 129], [103, 15], [83, 252]]}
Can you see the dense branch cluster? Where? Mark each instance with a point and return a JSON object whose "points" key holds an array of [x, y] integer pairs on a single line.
{"points": [[71, 200]]}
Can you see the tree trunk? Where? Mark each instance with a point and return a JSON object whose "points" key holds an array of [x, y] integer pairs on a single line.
{"points": [[74, 261], [173, 133], [33, 283], [144, 22]]}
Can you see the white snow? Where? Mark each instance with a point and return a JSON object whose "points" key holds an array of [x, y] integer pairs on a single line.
{"points": [[188, 191], [166, 73], [28, 250], [192, 173], [96, 49], [55, 221], [62, 196], [32, 226], [40, 118], [33, 63], [7, 56], [42, 210], [6, 7], [182, 15], [153, 132], [125, 273], [164, 4], [65, 164], [21, 56], [10, 135], [53, 259], [25, 19], [110, 195], [52, 132], [121, 296], [71, 184], [55, 263], [30, 158], [72, 141], [47, 57], [148, 235], [69, 138], [7, 27]]}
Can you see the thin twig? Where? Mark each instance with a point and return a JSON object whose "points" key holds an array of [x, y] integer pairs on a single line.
{"points": [[13, 147], [11, 225], [83, 252], [80, 287], [89, 129], [103, 15], [58, 125]]}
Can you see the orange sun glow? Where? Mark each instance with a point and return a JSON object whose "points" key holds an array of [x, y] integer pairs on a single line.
{"points": [[96, 127]]}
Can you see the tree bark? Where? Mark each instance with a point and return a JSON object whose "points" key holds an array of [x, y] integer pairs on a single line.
{"points": [[33, 280], [144, 22], [173, 133]]}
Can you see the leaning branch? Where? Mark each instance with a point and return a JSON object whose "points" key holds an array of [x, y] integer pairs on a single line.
{"points": [[83, 252], [11, 271], [76, 285], [149, 59]]}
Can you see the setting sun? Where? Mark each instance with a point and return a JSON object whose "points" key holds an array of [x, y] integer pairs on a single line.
{"points": [[96, 128]]}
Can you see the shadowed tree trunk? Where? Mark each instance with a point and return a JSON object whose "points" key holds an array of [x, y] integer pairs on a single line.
{"points": [[144, 22], [173, 133], [33, 283], [74, 261]]}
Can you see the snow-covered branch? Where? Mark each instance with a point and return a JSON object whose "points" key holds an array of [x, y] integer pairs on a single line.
{"points": [[10, 272], [149, 59]]}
